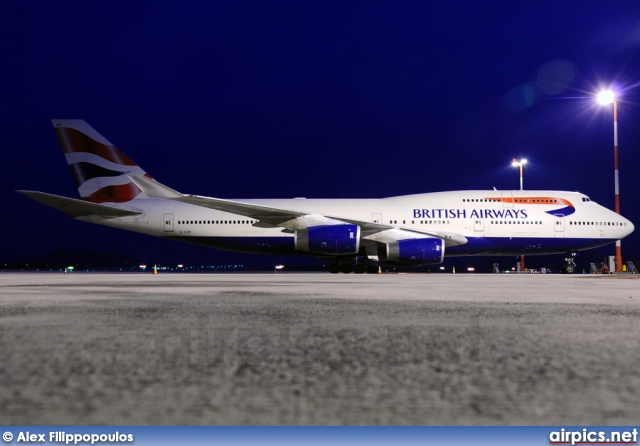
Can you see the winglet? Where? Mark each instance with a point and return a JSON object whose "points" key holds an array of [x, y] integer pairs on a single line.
{"points": [[153, 189]]}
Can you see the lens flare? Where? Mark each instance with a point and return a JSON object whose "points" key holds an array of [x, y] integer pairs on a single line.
{"points": [[606, 97]]}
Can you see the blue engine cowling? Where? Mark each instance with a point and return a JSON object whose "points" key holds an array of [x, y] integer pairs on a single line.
{"points": [[331, 239], [423, 251]]}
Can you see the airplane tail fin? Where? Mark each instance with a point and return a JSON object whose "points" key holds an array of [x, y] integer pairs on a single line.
{"points": [[100, 170]]}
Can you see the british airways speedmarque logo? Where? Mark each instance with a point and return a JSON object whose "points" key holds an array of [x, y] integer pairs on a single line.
{"points": [[567, 210], [502, 213]]}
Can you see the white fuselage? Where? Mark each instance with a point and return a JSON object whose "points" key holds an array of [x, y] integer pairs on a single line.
{"points": [[493, 222]]}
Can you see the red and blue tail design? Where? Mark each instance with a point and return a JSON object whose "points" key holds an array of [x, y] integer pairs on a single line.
{"points": [[99, 169]]}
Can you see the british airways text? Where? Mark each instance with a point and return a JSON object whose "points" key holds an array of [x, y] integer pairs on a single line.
{"points": [[475, 213]]}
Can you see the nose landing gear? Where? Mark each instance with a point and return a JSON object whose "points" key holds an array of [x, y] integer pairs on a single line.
{"points": [[570, 266]]}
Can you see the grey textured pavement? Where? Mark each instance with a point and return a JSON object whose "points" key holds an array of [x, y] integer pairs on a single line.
{"points": [[315, 349]]}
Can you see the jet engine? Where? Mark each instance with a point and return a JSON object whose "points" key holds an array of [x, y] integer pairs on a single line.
{"points": [[414, 252], [329, 239]]}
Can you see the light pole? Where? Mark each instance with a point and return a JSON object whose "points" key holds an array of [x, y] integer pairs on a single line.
{"points": [[607, 97], [516, 163]]}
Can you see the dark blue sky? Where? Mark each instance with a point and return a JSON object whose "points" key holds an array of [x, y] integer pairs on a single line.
{"points": [[316, 99]]}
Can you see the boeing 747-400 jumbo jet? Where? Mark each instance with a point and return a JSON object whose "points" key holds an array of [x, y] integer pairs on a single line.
{"points": [[352, 234]]}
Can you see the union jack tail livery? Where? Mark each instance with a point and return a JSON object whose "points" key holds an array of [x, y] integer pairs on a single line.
{"points": [[99, 169]]}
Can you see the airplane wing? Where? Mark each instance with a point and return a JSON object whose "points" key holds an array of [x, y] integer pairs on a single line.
{"points": [[77, 208], [292, 219], [273, 216]]}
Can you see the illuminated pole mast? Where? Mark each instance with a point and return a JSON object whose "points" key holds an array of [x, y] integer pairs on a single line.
{"points": [[617, 184], [520, 163], [608, 97]]}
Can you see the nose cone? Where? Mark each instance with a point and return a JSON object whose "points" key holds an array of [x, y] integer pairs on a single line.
{"points": [[629, 227]]}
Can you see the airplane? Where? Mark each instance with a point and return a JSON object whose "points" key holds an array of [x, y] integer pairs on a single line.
{"points": [[352, 234]]}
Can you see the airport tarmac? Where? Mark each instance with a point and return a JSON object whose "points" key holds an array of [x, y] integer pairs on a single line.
{"points": [[318, 349]]}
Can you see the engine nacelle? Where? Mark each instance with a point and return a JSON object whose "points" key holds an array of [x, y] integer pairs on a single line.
{"points": [[423, 251], [329, 240]]}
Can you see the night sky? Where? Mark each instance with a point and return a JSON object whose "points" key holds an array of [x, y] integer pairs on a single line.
{"points": [[315, 99]]}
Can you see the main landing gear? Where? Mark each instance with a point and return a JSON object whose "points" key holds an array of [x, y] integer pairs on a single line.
{"points": [[346, 267], [340, 267], [570, 266]]}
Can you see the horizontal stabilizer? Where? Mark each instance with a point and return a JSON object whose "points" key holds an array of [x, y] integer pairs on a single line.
{"points": [[77, 208]]}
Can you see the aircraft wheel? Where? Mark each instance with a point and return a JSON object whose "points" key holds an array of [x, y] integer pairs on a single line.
{"points": [[568, 269], [360, 268], [346, 268], [372, 268], [334, 267]]}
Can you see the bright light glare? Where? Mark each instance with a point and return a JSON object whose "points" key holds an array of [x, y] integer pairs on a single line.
{"points": [[516, 163], [606, 97]]}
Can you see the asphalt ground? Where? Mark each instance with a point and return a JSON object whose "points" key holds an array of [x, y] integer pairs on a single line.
{"points": [[315, 349]]}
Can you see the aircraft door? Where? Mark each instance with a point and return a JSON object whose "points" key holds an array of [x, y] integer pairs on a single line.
{"points": [[478, 225], [558, 223], [168, 222], [507, 198], [376, 218]]}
